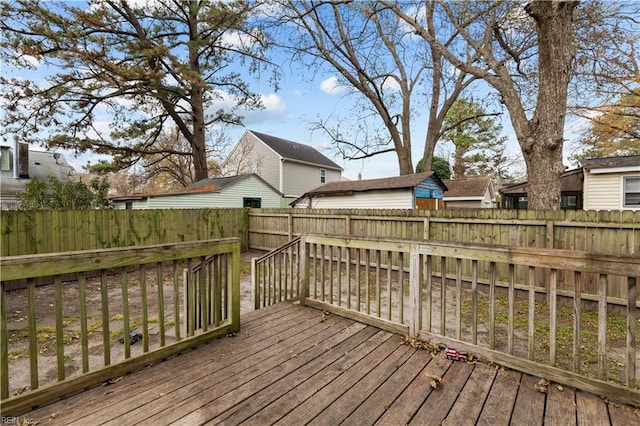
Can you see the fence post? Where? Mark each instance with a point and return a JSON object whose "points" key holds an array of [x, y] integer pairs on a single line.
{"points": [[414, 290], [290, 226], [425, 232]]}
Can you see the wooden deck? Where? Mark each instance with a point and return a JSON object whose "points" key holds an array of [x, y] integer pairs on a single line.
{"points": [[292, 366]]}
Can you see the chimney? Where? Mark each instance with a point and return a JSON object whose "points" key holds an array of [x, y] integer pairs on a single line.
{"points": [[15, 157], [23, 161]]}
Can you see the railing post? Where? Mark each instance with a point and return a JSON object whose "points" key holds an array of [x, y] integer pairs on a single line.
{"points": [[632, 296], [255, 283], [414, 290], [233, 271], [304, 266]]}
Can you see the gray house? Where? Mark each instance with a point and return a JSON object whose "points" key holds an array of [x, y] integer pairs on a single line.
{"points": [[422, 191], [290, 167], [236, 191], [17, 170]]}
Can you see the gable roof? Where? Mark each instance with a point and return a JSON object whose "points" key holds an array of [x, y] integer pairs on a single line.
{"points": [[468, 187], [295, 151], [201, 186], [610, 162], [396, 182]]}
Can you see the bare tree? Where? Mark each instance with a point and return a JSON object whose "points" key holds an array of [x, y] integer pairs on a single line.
{"points": [[382, 62], [493, 31]]}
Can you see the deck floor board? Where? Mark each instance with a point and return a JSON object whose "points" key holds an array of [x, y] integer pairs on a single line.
{"points": [[292, 365]]}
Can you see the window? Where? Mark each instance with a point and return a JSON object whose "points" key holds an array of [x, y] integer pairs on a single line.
{"points": [[323, 175], [5, 160], [569, 202], [253, 203], [523, 203], [631, 191]]}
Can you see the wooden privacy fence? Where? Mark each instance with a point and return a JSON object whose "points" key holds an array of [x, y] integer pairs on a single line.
{"points": [[145, 304], [400, 286], [52, 231]]}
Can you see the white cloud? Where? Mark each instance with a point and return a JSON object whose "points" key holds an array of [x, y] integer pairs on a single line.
{"points": [[332, 86], [274, 108]]}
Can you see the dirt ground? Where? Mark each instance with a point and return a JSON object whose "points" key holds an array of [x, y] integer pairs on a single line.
{"points": [[18, 326]]}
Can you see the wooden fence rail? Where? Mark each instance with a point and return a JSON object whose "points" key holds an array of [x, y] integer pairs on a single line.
{"points": [[82, 331], [405, 287], [608, 232]]}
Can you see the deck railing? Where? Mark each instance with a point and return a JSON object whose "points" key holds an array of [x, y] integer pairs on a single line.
{"points": [[109, 312], [276, 275], [399, 286]]}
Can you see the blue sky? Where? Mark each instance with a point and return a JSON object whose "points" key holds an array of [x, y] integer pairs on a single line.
{"points": [[303, 98]]}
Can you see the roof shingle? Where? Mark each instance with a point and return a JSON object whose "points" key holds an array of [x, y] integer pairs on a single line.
{"points": [[295, 151], [467, 187], [397, 182]]}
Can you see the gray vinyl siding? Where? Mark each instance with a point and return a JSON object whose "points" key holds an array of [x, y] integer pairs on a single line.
{"points": [[301, 178], [259, 159]]}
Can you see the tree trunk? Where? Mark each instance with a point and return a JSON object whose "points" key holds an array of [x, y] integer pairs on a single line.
{"points": [[198, 145], [459, 168], [542, 146]]}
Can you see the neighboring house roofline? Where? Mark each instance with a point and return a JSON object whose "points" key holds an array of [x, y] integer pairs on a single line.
{"points": [[295, 151], [462, 198], [366, 185], [602, 170], [291, 160], [208, 185], [469, 188], [629, 163]]}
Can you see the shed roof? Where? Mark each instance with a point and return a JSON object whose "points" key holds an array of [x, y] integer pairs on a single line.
{"points": [[202, 186], [610, 162], [396, 182], [295, 151], [476, 186], [570, 180]]}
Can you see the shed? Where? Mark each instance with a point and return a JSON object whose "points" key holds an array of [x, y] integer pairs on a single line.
{"points": [[247, 190], [612, 183], [471, 192], [415, 191], [515, 196]]}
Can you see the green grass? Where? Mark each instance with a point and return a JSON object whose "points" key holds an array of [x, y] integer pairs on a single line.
{"points": [[616, 332]]}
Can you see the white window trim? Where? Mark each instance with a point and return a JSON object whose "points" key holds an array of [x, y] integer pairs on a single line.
{"points": [[622, 193]]}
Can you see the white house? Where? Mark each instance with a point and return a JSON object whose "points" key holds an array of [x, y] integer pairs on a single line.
{"points": [[236, 191], [416, 191], [290, 167], [471, 192], [612, 183], [18, 165]]}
